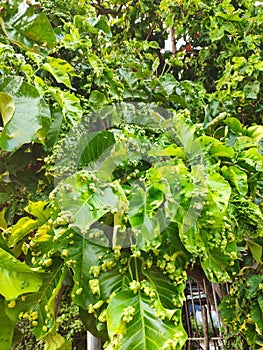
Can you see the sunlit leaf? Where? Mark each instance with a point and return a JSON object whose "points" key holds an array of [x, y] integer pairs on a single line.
{"points": [[7, 107], [40, 306], [16, 278], [60, 69], [237, 177], [144, 330], [28, 28], [31, 118], [6, 329]]}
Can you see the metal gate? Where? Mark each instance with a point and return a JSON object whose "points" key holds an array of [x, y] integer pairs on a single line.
{"points": [[201, 316]]}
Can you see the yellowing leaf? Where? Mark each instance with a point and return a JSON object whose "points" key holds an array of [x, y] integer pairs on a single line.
{"points": [[16, 278], [57, 342], [7, 107]]}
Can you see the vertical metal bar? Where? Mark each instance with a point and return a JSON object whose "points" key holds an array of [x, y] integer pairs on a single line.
{"points": [[210, 309], [93, 343], [220, 323], [201, 306], [205, 327], [193, 308], [187, 316]]}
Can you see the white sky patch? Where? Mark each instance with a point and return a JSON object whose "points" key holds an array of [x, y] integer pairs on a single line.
{"points": [[168, 44]]}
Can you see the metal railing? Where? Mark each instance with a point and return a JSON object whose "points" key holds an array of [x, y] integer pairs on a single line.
{"points": [[93, 343], [201, 317]]}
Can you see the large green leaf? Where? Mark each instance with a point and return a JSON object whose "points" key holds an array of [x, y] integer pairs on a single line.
{"points": [[88, 199], [27, 28], [142, 206], [168, 293], [60, 69], [6, 329], [41, 210], [237, 177], [96, 145], [110, 281], [215, 148], [16, 278], [143, 330], [97, 99], [81, 254], [56, 124], [220, 191], [252, 286], [216, 262], [31, 118], [251, 160], [40, 307]]}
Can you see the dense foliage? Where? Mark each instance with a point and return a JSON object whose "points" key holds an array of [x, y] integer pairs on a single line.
{"points": [[125, 167]]}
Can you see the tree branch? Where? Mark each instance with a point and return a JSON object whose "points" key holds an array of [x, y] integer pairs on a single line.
{"points": [[106, 11], [173, 44]]}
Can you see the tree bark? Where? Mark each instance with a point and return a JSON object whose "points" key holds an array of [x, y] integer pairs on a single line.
{"points": [[173, 44]]}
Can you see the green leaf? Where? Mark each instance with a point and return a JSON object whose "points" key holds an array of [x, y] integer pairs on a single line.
{"points": [[27, 28], [237, 177], [217, 34], [3, 223], [7, 107], [23, 227], [40, 210], [220, 191], [234, 124], [145, 331], [257, 315], [142, 207], [168, 293], [216, 261], [244, 142], [155, 64], [173, 246], [26, 225], [169, 83], [70, 109], [97, 99], [40, 306], [97, 144], [215, 148], [251, 90], [57, 342], [252, 285], [102, 24], [255, 132], [60, 69], [31, 118], [16, 278], [256, 249], [6, 329], [251, 160], [110, 281], [81, 256], [89, 200], [54, 131], [96, 64]]}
